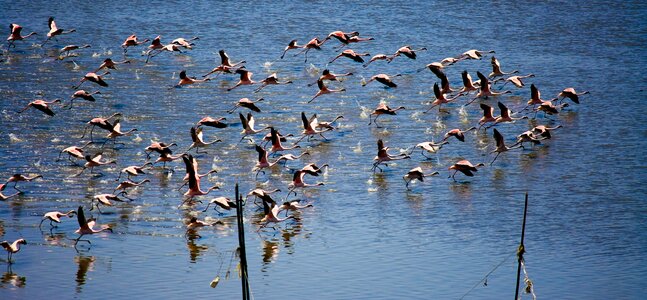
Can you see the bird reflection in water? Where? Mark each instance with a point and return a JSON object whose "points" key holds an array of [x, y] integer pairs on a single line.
{"points": [[85, 263], [271, 246], [54, 239], [194, 249], [11, 279]]}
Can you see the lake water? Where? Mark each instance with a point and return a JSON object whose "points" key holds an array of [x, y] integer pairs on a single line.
{"points": [[366, 237]]}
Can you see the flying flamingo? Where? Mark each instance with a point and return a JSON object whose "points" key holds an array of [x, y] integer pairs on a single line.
{"points": [[328, 125], [116, 132], [440, 98], [185, 180], [104, 199], [323, 89], [271, 80], [211, 122], [474, 54], [82, 94], [194, 224], [54, 30], [42, 105], [314, 43], [185, 43], [103, 123], [198, 142], [505, 115], [382, 109], [133, 170], [341, 36], [527, 137], [55, 216], [245, 78], [276, 142], [500, 145], [293, 205], [108, 63], [378, 57], [290, 46], [246, 103], [222, 202], [309, 127], [194, 181], [383, 79], [132, 41], [488, 117], [165, 48], [73, 151], [297, 182], [86, 227], [313, 169], [430, 147], [186, 80], [93, 77], [290, 157], [69, 48], [468, 85], [535, 97], [349, 53], [15, 35], [406, 51], [271, 212], [248, 126], [225, 64], [458, 134], [159, 147], [516, 80], [3, 197], [12, 248], [327, 75], [436, 68], [167, 157], [549, 108], [383, 156], [570, 93], [94, 161], [485, 90], [496, 69], [416, 174], [127, 184], [465, 167], [263, 161], [544, 131], [15, 178]]}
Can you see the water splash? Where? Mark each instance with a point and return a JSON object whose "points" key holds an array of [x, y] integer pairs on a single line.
{"points": [[358, 148], [14, 138]]}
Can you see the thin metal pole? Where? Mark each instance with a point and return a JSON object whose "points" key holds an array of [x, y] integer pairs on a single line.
{"points": [[241, 243], [521, 249]]}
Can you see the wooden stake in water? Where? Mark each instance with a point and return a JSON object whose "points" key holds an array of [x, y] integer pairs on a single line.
{"points": [[241, 244], [521, 249]]}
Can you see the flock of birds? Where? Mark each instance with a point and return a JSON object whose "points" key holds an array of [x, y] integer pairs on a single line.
{"points": [[273, 142]]}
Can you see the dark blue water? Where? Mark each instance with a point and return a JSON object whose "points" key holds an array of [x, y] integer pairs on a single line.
{"points": [[366, 237]]}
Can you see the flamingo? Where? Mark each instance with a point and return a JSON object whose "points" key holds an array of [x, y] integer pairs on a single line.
{"points": [[516, 80], [185, 43], [544, 131], [527, 137], [159, 147], [83, 94], [313, 169], [271, 212], [55, 216], [407, 51], [382, 109], [211, 122], [436, 68], [496, 69], [323, 89], [12, 248], [108, 63], [468, 85], [54, 30], [309, 127], [132, 41], [198, 142], [225, 64], [378, 57], [465, 167], [248, 126], [245, 78], [430, 147], [488, 117], [186, 80], [505, 115], [314, 43], [246, 103], [297, 182], [194, 181], [127, 184], [458, 134], [116, 132], [263, 161], [15, 178], [15, 35], [104, 199], [383, 156], [340, 36], [93, 77], [42, 105], [290, 157], [167, 157], [165, 48], [293, 205], [133, 170], [86, 227], [328, 125], [73, 151], [272, 79], [500, 145], [349, 53], [4, 197], [570, 93], [67, 49], [94, 161], [474, 54], [185, 180], [416, 174], [327, 75], [549, 108], [276, 142], [535, 97], [261, 193], [383, 79], [485, 90], [194, 224], [222, 202], [292, 45], [440, 98], [103, 123]]}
